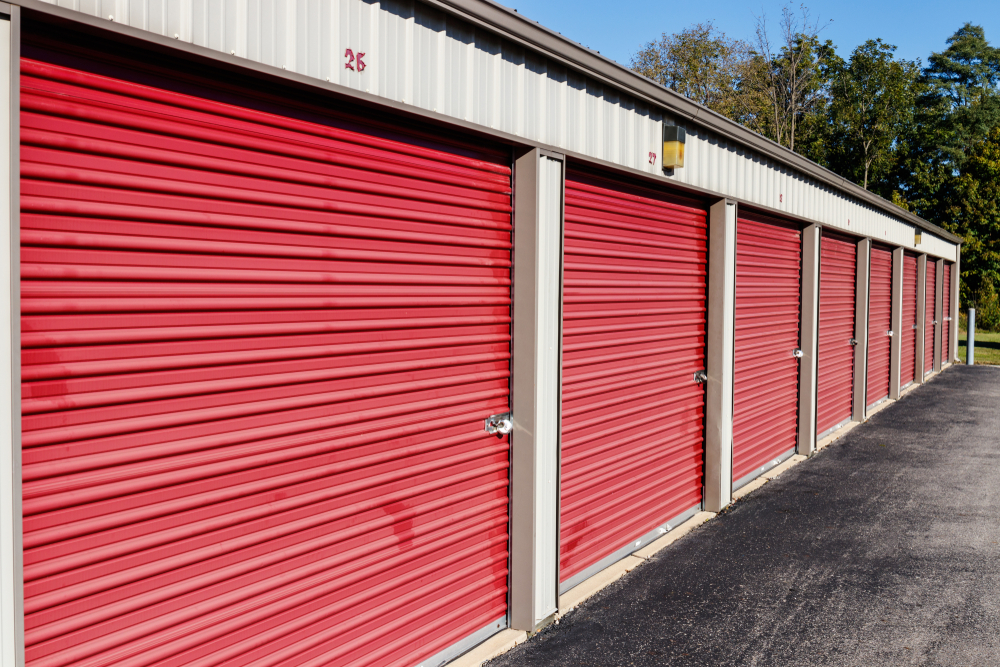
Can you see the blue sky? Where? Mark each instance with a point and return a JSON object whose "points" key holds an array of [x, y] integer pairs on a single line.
{"points": [[618, 29]]}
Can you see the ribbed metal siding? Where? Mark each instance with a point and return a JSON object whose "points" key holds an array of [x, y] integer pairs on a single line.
{"points": [[946, 310], [257, 353], [837, 303], [931, 299], [420, 56], [908, 346], [768, 294], [633, 336], [879, 324]]}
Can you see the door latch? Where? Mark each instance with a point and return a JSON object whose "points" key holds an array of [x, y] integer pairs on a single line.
{"points": [[889, 332], [853, 341], [700, 377], [499, 425], [798, 353]]}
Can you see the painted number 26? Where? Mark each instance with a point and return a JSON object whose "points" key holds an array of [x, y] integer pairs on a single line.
{"points": [[351, 59]]}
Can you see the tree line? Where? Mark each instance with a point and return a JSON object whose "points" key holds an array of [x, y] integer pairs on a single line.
{"points": [[924, 136]]}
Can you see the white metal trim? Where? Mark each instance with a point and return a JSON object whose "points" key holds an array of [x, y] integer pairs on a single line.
{"points": [[720, 350], [896, 345], [537, 313], [809, 339], [862, 296]]}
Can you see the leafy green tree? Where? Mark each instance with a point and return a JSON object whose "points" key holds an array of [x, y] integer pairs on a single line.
{"points": [[788, 75], [957, 103], [699, 62], [977, 220], [872, 97], [962, 88], [777, 87]]}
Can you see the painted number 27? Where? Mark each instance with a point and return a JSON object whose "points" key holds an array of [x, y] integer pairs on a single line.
{"points": [[351, 59]]}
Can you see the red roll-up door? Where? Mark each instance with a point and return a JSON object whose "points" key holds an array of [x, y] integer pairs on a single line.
{"points": [[946, 316], [879, 324], [768, 288], [931, 301], [908, 346], [633, 336], [837, 303], [257, 354]]}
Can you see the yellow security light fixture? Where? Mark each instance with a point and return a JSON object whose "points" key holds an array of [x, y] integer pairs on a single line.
{"points": [[673, 146], [917, 237]]}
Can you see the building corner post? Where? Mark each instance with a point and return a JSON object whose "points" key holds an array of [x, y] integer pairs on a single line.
{"points": [[896, 344], [955, 292], [720, 355], [919, 366], [535, 388], [11, 547], [939, 314], [809, 340], [861, 330]]}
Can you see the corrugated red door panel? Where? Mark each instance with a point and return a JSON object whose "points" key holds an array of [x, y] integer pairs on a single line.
{"points": [[946, 315], [837, 304], [768, 288], [908, 346], [929, 314], [633, 337], [257, 353], [879, 324]]}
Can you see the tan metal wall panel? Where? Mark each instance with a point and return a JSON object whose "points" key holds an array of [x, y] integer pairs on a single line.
{"points": [[417, 55]]}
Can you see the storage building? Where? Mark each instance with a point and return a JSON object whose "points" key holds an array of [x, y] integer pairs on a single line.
{"points": [[355, 332]]}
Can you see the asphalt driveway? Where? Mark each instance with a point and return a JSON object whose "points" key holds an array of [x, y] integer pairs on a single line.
{"points": [[883, 549]]}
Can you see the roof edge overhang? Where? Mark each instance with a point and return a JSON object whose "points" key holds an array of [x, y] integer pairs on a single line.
{"points": [[522, 30], [530, 34]]}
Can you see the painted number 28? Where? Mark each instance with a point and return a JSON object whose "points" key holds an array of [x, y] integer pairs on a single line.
{"points": [[351, 58]]}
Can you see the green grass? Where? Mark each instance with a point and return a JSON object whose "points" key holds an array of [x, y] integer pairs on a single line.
{"points": [[987, 348]]}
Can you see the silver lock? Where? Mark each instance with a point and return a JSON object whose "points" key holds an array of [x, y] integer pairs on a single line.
{"points": [[889, 332], [853, 341], [499, 425], [700, 377], [915, 326], [797, 353]]}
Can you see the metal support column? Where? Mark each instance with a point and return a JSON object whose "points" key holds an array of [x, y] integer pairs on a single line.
{"points": [[535, 390], [809, 342], [896, 345], [953, 337], [861, 329], [719, 356], [938, 314], [920, 366]]}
